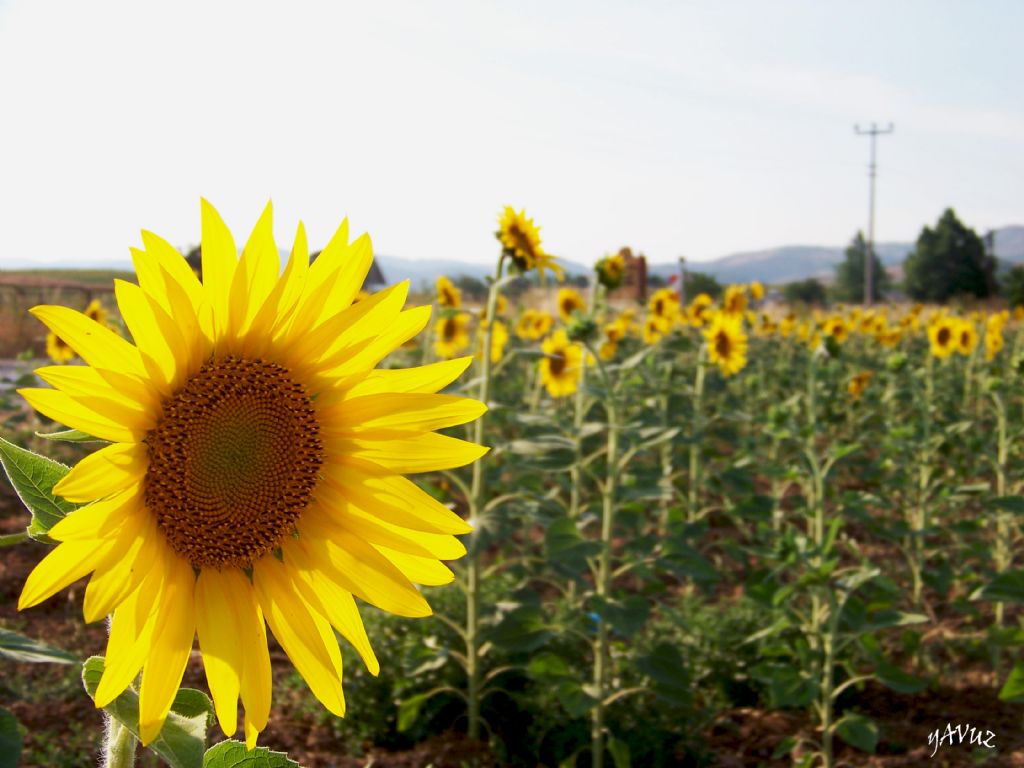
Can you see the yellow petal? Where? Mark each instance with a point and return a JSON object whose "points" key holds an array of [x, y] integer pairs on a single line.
{"points": [[419, 570], [220, 636], [104, 472], [297, 631], [406, 325], [220, 259], [256, 274], [114, 581], [97, 345], [426, 378], [61, 407], [279, 305], [180, 280], [84, 380], [101, 519], [357, 567], [131, 632], [155, 333], [64, 565], [169, 651], [256, 676], [406, 412], [392, 498], [427, 452]]}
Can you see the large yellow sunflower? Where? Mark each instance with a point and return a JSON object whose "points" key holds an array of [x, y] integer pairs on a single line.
{"points": [[255, 472], [569, 301], [727, 343]]}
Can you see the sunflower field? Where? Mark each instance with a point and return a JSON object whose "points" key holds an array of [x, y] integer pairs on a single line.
{"points": [[563, 530]]}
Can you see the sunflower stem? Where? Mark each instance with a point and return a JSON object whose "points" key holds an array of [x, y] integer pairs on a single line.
{"points": [[476, 494], [119, 745], [693, 493]]}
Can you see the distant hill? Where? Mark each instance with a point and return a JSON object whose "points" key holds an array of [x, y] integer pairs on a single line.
{"points": [[771, 265]]}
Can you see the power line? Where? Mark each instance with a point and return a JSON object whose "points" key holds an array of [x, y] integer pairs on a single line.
{"points": [[869, 257]]}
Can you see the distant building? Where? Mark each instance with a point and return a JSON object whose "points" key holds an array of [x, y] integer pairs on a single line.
{"points": [[374, 278], [634, 279]]}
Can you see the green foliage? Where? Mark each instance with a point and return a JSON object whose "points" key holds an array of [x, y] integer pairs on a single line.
{"points": [[16, 647], [33, 477], [10, 740], [233, 754], [949, 260], [810, 292], [849, 285], [700, 282], [1012, 285]]}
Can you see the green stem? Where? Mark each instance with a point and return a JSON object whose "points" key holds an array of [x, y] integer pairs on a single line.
{"points": [[693, 492], [603, 579], [1002, 549], [119, 746], [476, 494]]}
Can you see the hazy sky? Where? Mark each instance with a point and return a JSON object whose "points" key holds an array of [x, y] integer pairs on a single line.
{"points": [[696, 128]]}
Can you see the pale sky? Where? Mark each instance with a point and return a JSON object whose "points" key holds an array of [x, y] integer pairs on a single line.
{"points": [[678, 128]]}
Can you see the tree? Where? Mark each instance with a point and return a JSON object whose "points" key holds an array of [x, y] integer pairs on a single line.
{"points": [[809, 291], [850, 273], [699, 282], [1013, 285], [948, 261]]}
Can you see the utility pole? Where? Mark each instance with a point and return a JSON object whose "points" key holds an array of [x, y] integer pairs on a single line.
{"points": [[682, 280], [869, 257]]}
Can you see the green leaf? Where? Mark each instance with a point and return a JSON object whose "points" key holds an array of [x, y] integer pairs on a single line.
{"points": [[522, 630], [574, 699], [182, 741], [625, 617], [669, 676], [233, 754], [1013, 688], [409, 710], [24, 649], [71, 436], [619, 751], [1014, 504], [33, 477], [10, 740], [858, 731], [565, 549], [1007, 587], [896, 679]]}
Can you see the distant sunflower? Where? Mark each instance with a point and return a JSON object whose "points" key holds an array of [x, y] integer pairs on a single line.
{"points": [[857, 384], [560, 367], [451, 336], [756, 291], [526, 325], [734, 302], [542, 324], [663, 306], [652, 330], [727, 343], [942, 336], [837, 328], [699, 308], [569, 301], [610, 271], [499, 339], [95, 311], [255, 475], [966, 337], [520, 240], [448, 294], [57, 349]]}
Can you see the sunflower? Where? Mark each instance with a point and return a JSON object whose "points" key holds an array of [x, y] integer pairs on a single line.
{"points": [[526, 325], [966, 337], [57, 349], [542, 324], [255, 472], [727, 344], [942, 336], [610, 271], [837, 328], [664, 308], [448, 295], [756, 290], [560, 368], [95, 311], [735, 300], [520, 241], [697, 313], [451, 335], [569, 301], [857, 384], [652, 330]]}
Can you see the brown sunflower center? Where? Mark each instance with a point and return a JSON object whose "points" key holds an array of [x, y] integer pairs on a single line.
{"points": [[449, 329], [943, 336], [232, 462], [723, 345], [556, 363]]}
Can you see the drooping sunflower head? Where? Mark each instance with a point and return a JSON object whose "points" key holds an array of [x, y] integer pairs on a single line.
{"points": [[610, 271], [726, 343], [561, 366], [254, 474], [734, 302], [569, 301], [448, 294], [857, 384], [520, 241], [57, 349], [451, 336]]}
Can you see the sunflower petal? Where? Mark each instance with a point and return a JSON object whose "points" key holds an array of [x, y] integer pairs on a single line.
{"points": [[155, 333], [84, 380], [419, 570], [428, 452], [425, 379], [404, 412], [61, 407], [220, 259], [97, 345], [104, 472], [219, 635], [64, 565], [101, 519], [169, 650], [122, 575]]}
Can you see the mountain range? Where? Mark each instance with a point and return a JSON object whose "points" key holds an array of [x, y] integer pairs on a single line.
{"points": [[772, 266]]}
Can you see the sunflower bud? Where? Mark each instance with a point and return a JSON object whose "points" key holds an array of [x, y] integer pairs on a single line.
{"points": [[581, 328]]}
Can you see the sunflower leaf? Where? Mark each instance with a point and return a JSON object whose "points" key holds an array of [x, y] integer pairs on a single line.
{"points": [[10, 740], [19, 648], [233, 754], [182, 740], [33, 477]]}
